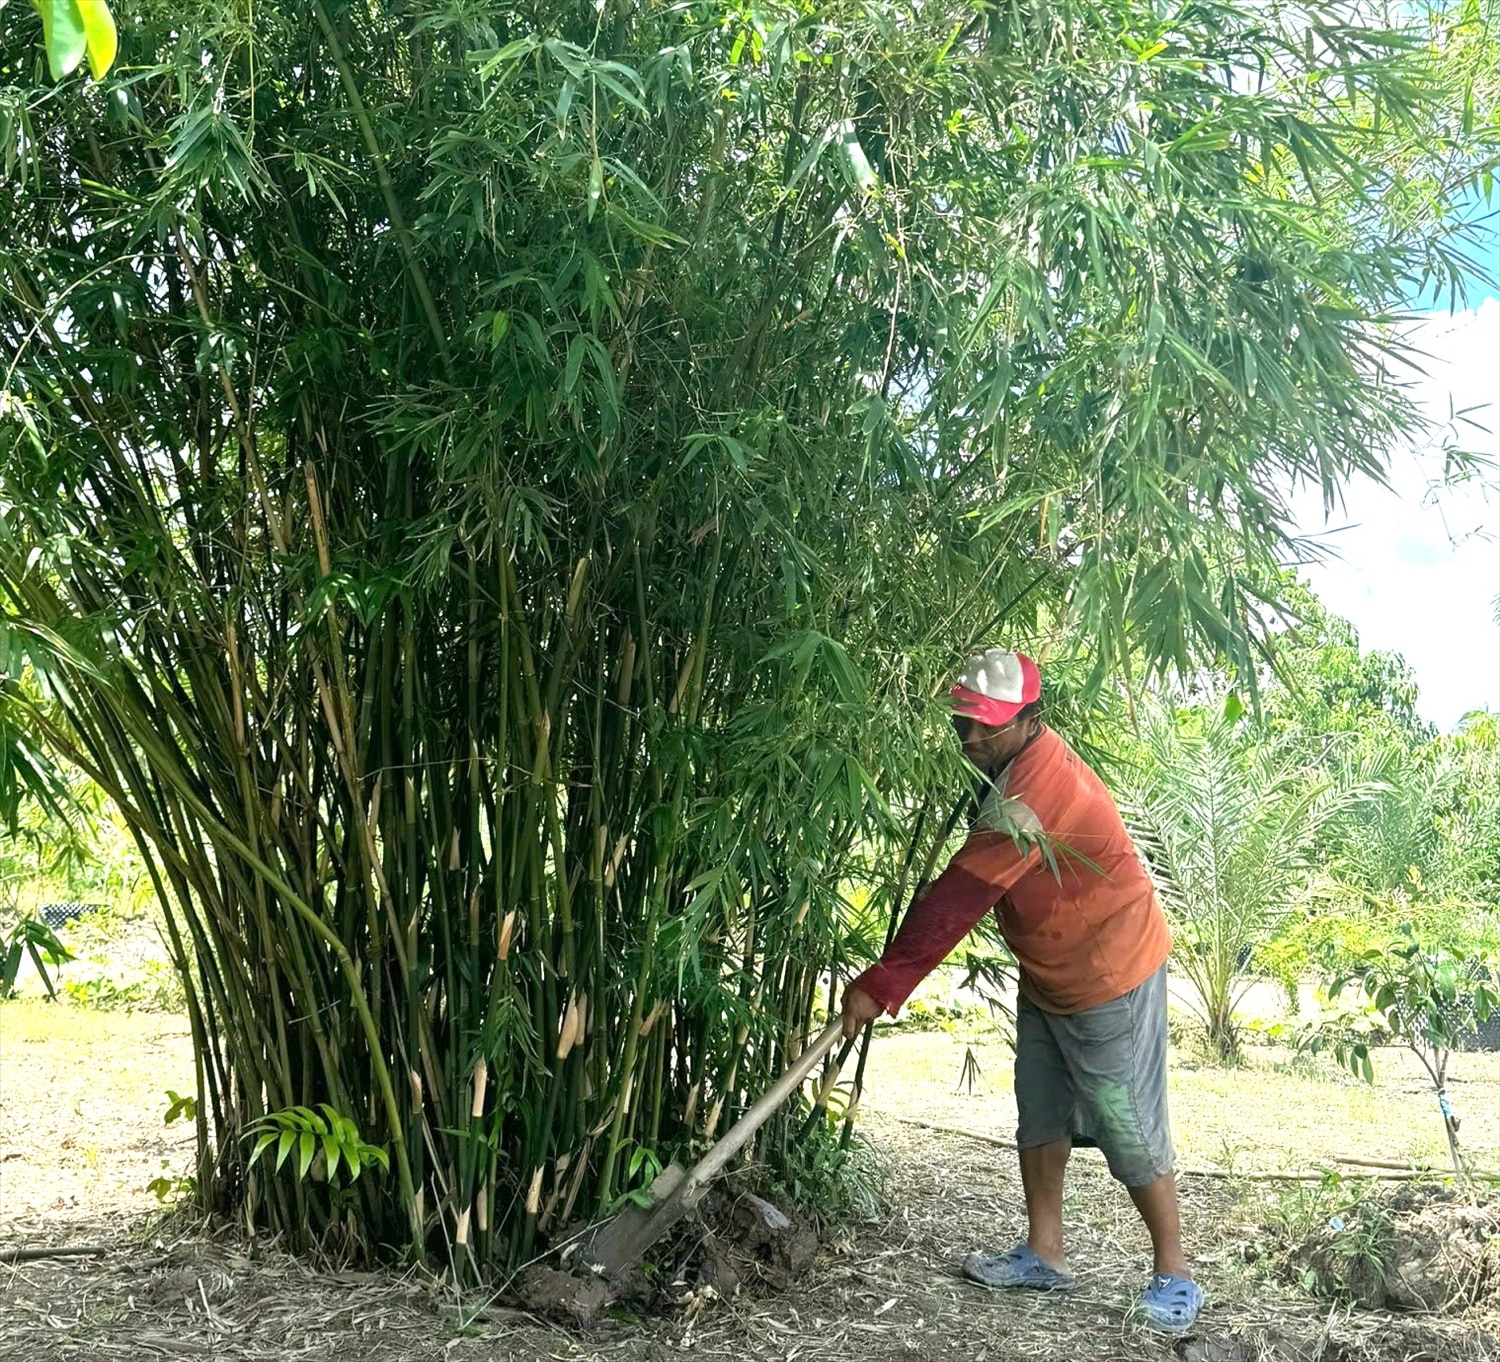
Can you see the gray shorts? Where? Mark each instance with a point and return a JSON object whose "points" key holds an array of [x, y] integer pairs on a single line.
{"points": [[1099, 1077]]}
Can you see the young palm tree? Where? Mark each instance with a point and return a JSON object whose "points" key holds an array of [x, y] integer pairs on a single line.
{"points": [[1230, 826]]}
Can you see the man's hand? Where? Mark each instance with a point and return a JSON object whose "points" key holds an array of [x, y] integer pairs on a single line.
{"points": [[859, 1008]]}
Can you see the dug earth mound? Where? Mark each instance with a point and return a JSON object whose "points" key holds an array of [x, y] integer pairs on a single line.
{"points": [[739, 1242], [1419, 1247]]}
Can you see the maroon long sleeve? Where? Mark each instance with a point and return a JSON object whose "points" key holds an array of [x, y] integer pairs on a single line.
{"points": [[975, 880], [978, 875]]}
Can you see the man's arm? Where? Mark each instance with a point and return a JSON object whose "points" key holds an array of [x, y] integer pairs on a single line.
{"points": [[977, 877]]}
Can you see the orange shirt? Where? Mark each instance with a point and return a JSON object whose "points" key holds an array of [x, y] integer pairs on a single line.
{"points": [[1050, 854]]}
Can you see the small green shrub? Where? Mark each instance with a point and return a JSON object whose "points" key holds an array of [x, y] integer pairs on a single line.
{"points": [[34, 938], [642, 1169], [826, 1178], [323, 1136], [169, 1189], [1315, 944], [920, 1015], [153, 986], [180, 1108], [105, 994], [1335, 1239], [1328, 942], [1423, 996]]}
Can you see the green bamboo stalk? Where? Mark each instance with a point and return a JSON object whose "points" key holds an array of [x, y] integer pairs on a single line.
{"points": [[387, 189]]}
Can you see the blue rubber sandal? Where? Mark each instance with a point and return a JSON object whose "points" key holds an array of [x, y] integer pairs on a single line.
{"points": [[1019, 1268], [1171, 1303]]}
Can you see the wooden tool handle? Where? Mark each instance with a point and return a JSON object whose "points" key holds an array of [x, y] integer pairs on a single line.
{"points": [[753, 1119], [687, 1193]]}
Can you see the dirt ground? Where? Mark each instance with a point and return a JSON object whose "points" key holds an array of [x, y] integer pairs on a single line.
{"points": [[82, 1100]]}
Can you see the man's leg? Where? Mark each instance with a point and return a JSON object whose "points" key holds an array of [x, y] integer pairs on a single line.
{"points": [[1118, 1056], [1157, 1203], [1045, 1104], [1117, 1053], [1042, 1168]]}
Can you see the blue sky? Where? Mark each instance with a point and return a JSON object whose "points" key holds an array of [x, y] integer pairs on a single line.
{"points": [[1418, 566], [1486, 217]]}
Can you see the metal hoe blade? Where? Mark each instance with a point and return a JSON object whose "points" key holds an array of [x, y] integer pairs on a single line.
{"points": [[614, 1246]]}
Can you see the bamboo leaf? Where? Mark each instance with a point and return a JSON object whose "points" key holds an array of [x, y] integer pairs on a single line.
{"points": [[332, 1152], [11, 967], [492, 62], [861, 173], [99, 32], [814, 153], [596, 185], [63, 35]]}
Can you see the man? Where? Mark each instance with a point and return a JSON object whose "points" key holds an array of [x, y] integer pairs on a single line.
{"points": [[1050, 854]]}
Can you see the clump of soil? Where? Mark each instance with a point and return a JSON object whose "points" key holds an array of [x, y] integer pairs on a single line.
{"points": [[565, 1296], [751, 1243], [738, 1242], [1386, 1341], [1415, 1248]]}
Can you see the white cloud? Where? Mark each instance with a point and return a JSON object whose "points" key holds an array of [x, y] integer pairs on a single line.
{"points": [[1418, 567]]}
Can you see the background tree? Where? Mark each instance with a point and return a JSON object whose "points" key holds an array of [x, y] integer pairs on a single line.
{"points": [[489, 492], [1325, 686], [1229, 824], [1422, 848]]}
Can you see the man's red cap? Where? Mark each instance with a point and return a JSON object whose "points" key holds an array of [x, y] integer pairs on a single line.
{"points": [[995, 686]]}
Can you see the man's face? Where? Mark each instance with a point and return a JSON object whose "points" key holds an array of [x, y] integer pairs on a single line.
{"points": [[991, 748]]}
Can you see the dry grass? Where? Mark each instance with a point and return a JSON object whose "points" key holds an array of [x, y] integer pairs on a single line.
{"points": [[879, 1291], [1271, 1113], [82, 1101]]}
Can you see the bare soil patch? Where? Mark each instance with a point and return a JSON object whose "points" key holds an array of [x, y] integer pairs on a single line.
{"points": [[82, 1101], [877, 1291]]}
